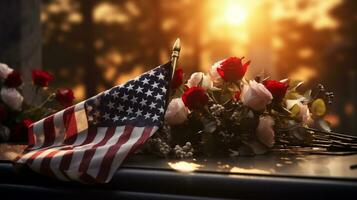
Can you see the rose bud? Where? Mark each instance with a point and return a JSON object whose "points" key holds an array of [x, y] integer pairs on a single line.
{"points": [[19, 130], [195, 98], [41, 78], [265, 131], [176, 112], [232, 69], [13, 80], [237, 95], [255, 96], [4, 70], [65, 97], [177, 80], [277, 89]]}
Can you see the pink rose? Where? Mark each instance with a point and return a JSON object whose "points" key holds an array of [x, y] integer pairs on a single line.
{"points": [[265, 131], [176, 112], [255, 96], [304, 113]]}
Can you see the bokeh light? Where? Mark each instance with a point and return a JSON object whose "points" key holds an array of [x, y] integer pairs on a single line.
{"points": [[113, 41]]}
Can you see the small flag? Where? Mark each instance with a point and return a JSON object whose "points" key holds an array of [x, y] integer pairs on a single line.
{"points": [[88, 141]]}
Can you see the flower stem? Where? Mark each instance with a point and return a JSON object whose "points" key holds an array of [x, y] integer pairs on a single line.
{"points": [[34, 96], [48, 99]]}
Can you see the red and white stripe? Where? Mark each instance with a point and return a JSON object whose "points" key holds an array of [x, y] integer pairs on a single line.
{"points": [[63, 146]]}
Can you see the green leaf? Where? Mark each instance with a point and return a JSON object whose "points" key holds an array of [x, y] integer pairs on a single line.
{"points": [[295, 110], [318, 107]]}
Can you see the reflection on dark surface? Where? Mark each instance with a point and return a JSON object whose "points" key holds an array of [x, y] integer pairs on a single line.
{"points": [[275, 163]]}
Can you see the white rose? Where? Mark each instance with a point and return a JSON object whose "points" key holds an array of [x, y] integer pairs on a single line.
{"points": [[255, 96], [12, 98], [5, 70], [215, 77], [176, 112], [197, 77], [265, 131]]}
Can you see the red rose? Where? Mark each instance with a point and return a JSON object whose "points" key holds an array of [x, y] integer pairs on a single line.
{"points": [[41, 78], [276, 88], [237, 95], [232, 69], [65, 97], [195, 98], [18, 131], [13, 80], [177, 80], [27, 122], [3, 113]]}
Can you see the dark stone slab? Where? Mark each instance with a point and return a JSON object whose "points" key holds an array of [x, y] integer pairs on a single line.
{"points": [[20, 34], [20, 37]]}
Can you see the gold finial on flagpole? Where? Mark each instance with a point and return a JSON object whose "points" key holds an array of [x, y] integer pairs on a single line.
{"points": [[175, 55]]}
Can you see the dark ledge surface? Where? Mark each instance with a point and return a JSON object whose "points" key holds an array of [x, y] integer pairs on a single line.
{"points": [[275, 175], [272, 164]]}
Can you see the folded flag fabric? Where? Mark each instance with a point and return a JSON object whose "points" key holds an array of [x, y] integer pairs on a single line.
{"points": [[88, 141]]}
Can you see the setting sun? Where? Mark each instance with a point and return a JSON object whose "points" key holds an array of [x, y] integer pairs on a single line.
{"points": [[235, 14], [230, 13]]}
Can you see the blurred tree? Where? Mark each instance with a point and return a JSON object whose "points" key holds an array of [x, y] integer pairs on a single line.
{"points": [[94, 45], [342, 62], [324, 56], [20, 37]]}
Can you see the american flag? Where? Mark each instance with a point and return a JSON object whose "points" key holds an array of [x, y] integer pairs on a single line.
{"points": [[88, 141]]}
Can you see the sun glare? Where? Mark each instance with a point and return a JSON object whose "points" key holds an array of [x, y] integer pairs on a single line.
{"points": [[232, 13], [235, 14], [183, 166]]}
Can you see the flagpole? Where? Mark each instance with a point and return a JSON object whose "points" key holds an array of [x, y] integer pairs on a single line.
{"points": [[175, 55]]}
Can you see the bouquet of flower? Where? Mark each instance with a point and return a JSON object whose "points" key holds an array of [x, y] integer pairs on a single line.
{"points": [[223, 113], [17, 113]]}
